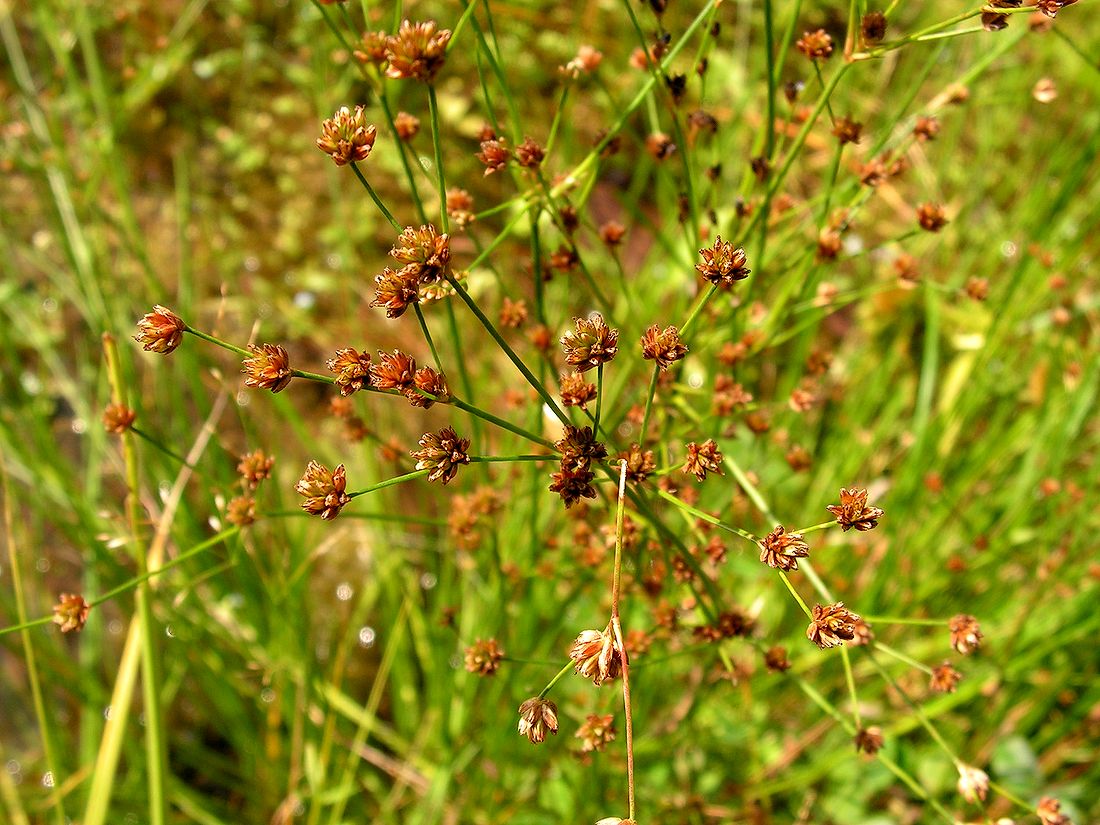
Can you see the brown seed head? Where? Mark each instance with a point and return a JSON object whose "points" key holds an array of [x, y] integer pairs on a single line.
{"points": [[595, 656], [241, 511], [564, 258], [118, 418], [573, 484], [944, 678], [977, 289], [869, 740], [816, 45], [640, 464], [537, 717], [267, 368], [663, 346], [494, 155], [723, 264], [590, 344], [1049, 809], [966, 634], [659, 145], [324, 491], [513, 314], [352, 370], [254, 468], [393, 371], [396, 290], [611, 233], [931, 217], [424, 252], [703, 458], [853, 511], [407, 126], [529, 154], [427, 380], [775, 659], [596, 732], [483, 657], [160, 330], [847, 130], [575, 391], [372, 48], [927, 128], [71, 612], [346, 137], [579, 448], [460, 205], [873, 27], [831, 625], [442, 453], [417, 51], [782, 550]]}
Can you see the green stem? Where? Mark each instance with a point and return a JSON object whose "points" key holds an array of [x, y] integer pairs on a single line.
{"points": [[428, 338], [797, 598], [822, 526], [648, 405], [433, 107], [707, 517], [599, 398], [500, 422], [219, 342], [850, 679], [501, 459], [901, 657], [550, 685], [171, 454], [390, 482], [378, 201]]}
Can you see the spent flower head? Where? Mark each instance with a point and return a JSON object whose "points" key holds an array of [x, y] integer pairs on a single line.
{"points": [[723, 264], [973, 783], [424, 252], [853, 511], [816, 45], [831, 625], [782, 550], [352, 369], [537, 717], [396, 289], [596, 732], [346, 137], [595, 656], [118, 418], [703, 458], [966, 634], [944, 678], [441, 453], [663, 346], [268, 367], [417, 51], [590, 343], [71, 612], [160, 330], [483, 657], [324, 491], [254, 467]]}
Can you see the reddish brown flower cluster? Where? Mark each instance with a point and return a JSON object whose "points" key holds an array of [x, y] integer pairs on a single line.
{"points": [[1049, 809], [241, 511], [944, 678], [596, 732], [513, 314], [590, 343], [847, 130], [537, 717], [483, 657], [324, 491], [873, 27], [816, 45], [869, 740], [640, 464], [494, 154], [352, 370], [931, 217], [254, 468], [118, 418], [853, 511], [595, 656], [966, 634], [460, 206], [663, 346], [703, 458], [267, 368], [71, 612], [417, 51], [831, 625], [160, 330], [729, 624], [973, 784], [926, 128], [782, 550], [575, 391], [407, 126], [346, 137], [423, 253], [723, 264], [529, 154], [775, 659], [578, 448], [441, 453], [395, 290], [397, 371]]}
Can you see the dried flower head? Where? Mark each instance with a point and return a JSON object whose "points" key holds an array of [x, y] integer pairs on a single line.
{"points": [[407, 126], [1049, 811], [869, 740], [575, 391], [573, 484], [590, 344], [160, 330], [853, 511], [966, 634], [324, 491], [723, 264], [703, 458], [829, 244], [118, 418], [659, 145], [847, 130], [640, 464], [372, 48], [417, 51], [395, 290], [926, 128], [611, 233], [782, 550], [863, 635], [513, 314], [529, 154], [483, 657], [494, 155], [873, 27], [424, 252], [346, 137], [442, 453], [663, 346], [537, 716], [596, 732], [977, 289], [427, 380], [579, 448], [71, 612], [595, 656], [241, 511], [267, 368], [944, 678], [775, 659], [352, 368], [254, 468], [460, 205], [973, 783], [872, 173], [931, 217], [816, 45], [831, 625], [587, 61], [393, 371]]}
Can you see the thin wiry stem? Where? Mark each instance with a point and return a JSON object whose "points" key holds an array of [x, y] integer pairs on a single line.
{"points": [[619, 641]]}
